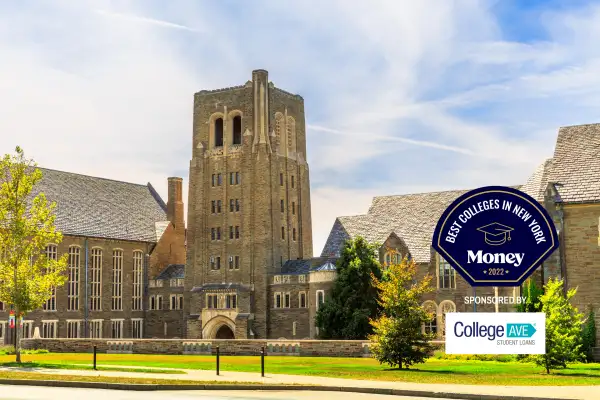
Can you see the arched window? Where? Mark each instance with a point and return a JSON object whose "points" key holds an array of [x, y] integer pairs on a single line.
{"points": [[431, 326], [219, 132], [446, 306], [237, 129]]}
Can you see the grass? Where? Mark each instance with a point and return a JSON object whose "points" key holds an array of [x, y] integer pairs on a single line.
{"points": [[433, 371], [45, 365], [108, 379]]}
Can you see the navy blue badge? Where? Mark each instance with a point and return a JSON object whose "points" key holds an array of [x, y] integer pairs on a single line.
{"points": [[495, 236]]}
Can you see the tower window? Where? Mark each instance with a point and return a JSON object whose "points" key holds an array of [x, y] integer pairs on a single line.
{"points": [[237, 232], [213, 208], [283, 233], [219, 132], [231, 205], [214, 180], [237, 178], [237, 130], [219, 179], [230, 231], [213, 234], [282, 206], [218, 206], [280, 179], [293, 208], [293, 181], [237, 204], [218, 233], [231, 178], [294, 234]]}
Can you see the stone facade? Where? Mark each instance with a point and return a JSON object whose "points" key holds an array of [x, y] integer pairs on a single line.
{"points": [[249, 205], [253, 347]]}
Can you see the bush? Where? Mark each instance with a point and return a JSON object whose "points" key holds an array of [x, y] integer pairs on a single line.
{"points": [[588, 337], [440, 355], [10, 350]]}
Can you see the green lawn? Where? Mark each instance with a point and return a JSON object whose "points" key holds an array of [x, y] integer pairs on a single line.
{"points": [[433, 371], [57, 365]]}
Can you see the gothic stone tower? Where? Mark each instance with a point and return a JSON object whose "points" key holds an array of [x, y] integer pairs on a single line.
{"points": [[249, 205]]}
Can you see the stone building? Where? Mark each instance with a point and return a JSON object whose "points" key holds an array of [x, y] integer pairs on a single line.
{"points": [[116, 235], [567, 185]]}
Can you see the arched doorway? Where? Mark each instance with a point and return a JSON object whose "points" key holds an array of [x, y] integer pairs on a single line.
{"points": [[224, 332]]}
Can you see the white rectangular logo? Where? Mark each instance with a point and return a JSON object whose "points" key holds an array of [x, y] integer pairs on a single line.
{"points": [[495, 333]]}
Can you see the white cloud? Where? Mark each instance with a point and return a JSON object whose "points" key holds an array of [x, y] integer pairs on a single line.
{"points": [[106, 88]]}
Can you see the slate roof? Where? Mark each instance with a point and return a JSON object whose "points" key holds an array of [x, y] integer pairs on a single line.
{"points": [[575, 167], [411, 217], [222, 286], [173, 271], [103, 208], [538, 182], [299, 267]]}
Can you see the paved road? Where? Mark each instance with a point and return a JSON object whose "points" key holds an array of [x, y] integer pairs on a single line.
{"points": [[8, 392]]}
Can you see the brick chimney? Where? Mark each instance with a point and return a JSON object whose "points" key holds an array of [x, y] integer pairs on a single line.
{"points": [[175, 204]]}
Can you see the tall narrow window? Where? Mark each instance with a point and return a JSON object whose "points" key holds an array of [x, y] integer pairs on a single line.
{"points": [[49, 329], [96, 281], [52, 255], [213, 207], [293, 208], [283, 233], [219, 179], [96, 329], [137, 325], [73, 329], [231, 205], [232, 178], [237, 130], [294, 234], [293, 181], [237, 205], [219, 132], [137, 281], [236, 262], [282, 205], [238, 178], [214, 180], [117, 281], [231, 232], [302, 300], [281, 179], [446, 275], [73, 283], [218, 233], [237, 232], [116, 327], [218, 206], [320, 298], [213, 234]]}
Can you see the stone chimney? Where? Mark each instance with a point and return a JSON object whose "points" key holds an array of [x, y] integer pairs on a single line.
{"points": [[175, 204]]}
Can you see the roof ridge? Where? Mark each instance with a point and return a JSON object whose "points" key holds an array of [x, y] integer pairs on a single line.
{"points": [[573, 126], [91, 176], [421, 193]]}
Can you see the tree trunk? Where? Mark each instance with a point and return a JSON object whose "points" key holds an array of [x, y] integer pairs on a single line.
{"points": [[17, 336]]}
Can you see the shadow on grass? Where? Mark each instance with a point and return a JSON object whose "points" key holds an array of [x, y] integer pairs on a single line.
{"points": [[425, 371]]}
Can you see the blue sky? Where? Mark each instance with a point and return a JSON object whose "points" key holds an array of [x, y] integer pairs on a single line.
{"points": [[401, 96]]}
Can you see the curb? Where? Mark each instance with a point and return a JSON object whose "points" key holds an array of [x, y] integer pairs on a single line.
{"points": [[384, 391]]}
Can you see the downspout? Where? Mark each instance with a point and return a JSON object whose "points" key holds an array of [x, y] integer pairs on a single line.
{"points": [[561, 244], [86, 305]]}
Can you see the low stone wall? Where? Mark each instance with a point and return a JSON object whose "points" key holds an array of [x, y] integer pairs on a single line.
{"points": [[324, 348], [596, 354]]}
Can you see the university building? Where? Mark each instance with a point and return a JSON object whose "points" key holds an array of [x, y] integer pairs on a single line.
{"points": [[244, 267]]}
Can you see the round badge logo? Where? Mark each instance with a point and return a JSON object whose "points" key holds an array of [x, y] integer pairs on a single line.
{"points": [[495, 236]]}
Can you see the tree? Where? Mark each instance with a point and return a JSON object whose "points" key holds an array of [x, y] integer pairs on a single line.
{"points": [[532, 298], [588, 338], [353, 301], [26, 228], [399, 339], [563, 328]]}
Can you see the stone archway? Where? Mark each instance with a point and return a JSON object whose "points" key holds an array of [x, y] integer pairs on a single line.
{"points": [[224, 332], [212, 327]]}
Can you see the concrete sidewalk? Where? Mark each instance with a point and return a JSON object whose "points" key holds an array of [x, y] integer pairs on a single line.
{"points": [[547, 392]]}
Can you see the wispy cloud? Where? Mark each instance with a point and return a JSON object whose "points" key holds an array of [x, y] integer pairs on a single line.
{"points": [[137, 18], [399, 96]]}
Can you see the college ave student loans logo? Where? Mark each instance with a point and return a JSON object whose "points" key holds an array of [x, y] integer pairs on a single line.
{"points": [[495, 333], [495, 236]]}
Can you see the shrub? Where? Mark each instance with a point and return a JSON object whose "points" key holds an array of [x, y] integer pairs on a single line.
{"points": [[440, 355], [10, 350], [588, 337]]}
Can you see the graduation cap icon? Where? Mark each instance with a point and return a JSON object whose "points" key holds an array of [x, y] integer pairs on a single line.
{"points": [[496, 234]]}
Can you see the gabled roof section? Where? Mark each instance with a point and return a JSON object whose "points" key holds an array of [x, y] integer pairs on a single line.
{"points": [[102, 208], [576, 164], [538, 182], [299, 267], [411, 217], [173, 271]]}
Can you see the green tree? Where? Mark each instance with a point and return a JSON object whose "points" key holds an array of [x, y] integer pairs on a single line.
{"points": [[589, 336], [563, 328], [532, 294], [399, 339], [353, 301], [26, 228]]}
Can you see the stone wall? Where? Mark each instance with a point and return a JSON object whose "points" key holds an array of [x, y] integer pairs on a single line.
{"points": [[326, 348]]}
